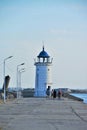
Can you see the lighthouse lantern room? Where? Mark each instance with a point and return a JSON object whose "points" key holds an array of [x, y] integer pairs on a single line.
{"points": [[43, 77]]}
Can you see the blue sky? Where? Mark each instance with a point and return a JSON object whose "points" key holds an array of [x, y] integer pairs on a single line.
{"points": [[24, 24]]}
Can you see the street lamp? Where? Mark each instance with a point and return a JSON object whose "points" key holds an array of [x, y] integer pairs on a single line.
{"points": [[20, 72], [4, 77], [18, 76]]}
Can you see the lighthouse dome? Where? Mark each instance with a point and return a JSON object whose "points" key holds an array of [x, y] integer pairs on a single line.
{"points": [[43, 54]]}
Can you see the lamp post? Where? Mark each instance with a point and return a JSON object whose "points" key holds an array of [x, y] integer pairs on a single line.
{"points": [[18, 77], [4, 77], [20, 72]]}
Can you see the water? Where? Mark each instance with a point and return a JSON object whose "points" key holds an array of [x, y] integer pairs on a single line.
{"points": [[81, 95]]}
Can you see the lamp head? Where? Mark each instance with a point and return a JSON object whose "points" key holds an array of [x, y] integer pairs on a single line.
{"points": [[22, 63], [10, 56]]}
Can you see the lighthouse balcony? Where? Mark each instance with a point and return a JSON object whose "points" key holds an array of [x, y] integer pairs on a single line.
{"points": [[43, 63]]}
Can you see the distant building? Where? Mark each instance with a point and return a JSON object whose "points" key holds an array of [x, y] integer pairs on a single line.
{"points": [[43, 75], [64, 90], [28, 92]]}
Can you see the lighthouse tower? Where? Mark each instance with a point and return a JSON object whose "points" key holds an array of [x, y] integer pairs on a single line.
{"points": [[43, 79]]}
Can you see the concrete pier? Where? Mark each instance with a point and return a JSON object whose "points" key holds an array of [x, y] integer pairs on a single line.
{"points": [[43, 114]]}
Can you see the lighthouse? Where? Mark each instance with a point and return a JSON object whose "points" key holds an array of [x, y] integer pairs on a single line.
{"points": [[43, 76]]}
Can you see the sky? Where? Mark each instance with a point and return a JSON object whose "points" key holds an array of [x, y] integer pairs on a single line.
{"points": [[61, 25]]}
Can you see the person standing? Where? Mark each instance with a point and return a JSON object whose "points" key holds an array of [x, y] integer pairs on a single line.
{"points": [[59, 94], [54, 93]]}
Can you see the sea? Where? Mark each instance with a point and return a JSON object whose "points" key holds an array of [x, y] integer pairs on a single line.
{"points": [[81, 95]]}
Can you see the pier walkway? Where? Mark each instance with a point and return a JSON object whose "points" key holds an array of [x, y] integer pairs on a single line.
{"points": [[43, 114]]}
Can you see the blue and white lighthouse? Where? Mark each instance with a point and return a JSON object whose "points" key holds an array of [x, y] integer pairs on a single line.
{"points": [[43, 77]]}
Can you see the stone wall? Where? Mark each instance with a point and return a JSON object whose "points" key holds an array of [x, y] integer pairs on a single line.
{"points": [[72, 97]]}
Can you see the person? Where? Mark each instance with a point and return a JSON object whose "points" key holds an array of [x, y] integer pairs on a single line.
{"points": [[48, 92], [59, 94], [54, 93]]}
